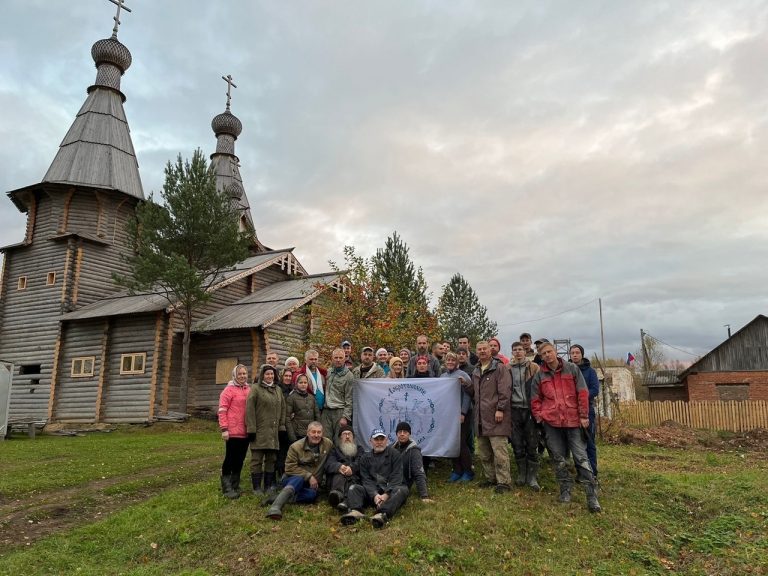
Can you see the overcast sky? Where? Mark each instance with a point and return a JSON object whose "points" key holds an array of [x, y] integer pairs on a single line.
{"points": [[551, 152]]}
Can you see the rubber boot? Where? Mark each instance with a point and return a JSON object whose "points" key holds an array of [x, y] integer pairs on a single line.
{"points": [[226, 487], [236, 484], [275, 511], [565, 493], [256, 481], [592, 503], [531, 476], [269, 483], [521, 471]]}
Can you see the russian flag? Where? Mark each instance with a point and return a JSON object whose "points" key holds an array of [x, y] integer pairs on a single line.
{"points": [[630, 358]]}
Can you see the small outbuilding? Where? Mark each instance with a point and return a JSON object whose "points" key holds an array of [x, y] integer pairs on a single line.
{"points": [[737, 369]]}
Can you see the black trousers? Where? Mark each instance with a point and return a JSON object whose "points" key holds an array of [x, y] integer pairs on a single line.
{"points": [[358, 498], [525, 435], [236, 449]]}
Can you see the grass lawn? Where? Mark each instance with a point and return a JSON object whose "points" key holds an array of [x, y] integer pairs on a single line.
{"points": [[146, 501]]}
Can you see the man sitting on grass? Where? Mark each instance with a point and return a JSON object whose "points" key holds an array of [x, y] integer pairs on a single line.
{"points": [[381, 475], [341, 468], [303, 470]]}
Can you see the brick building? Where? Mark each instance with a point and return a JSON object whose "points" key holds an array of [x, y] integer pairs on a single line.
{"points": [[737, 369]]}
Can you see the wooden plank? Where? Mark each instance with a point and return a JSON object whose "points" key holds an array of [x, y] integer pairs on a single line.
{"points": [[155, 362], [103, 368], [255, 355], [167, 363], [54, 372], [78, 264]]}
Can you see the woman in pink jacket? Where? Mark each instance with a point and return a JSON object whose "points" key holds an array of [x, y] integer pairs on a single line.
{"points": [[233, 430]]}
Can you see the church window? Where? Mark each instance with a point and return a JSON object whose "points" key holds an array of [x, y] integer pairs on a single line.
{"points": [[22, 285], [133, 363], [83, 366], [50, 280]]}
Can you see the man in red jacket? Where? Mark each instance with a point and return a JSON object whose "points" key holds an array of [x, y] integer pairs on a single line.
{"points": [[560, 401]]}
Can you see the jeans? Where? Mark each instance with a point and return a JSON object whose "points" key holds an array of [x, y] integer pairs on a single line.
{"points": [[304, 494], [591, 446], [559, 441]]}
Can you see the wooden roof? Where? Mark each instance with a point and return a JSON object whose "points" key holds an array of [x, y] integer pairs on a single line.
{"points": [[745, 350], [97, 151], [126, 303], [269, 304]]}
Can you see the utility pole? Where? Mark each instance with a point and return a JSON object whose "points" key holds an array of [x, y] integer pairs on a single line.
{"points": [[645, 354], [729, 329], [602, 334]]}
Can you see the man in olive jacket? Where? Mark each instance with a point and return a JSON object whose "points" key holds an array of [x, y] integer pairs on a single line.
{"points": [[491, 391], [339, 386], [304, 467]]}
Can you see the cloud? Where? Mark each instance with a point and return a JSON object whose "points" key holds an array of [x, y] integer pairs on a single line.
{"points": [[552, 153]]}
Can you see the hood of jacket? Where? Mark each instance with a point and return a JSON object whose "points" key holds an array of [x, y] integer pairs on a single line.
{"points": [[585, 365]]}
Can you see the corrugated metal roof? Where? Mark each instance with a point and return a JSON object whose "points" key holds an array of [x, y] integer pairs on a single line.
{"points": [[125, 303], [661, 378], [122, 303], [266, 305], [97, 150]]}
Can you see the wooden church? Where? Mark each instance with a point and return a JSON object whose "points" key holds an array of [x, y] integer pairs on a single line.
{"points": [[83, 349]]}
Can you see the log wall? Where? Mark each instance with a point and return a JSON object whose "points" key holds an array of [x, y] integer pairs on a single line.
{"points": [[288, 336], [75, 396], [206, 351], [126, 397], [29, 333]]}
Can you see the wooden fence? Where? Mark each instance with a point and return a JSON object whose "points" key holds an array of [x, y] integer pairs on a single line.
{"points": [[734, 416]]}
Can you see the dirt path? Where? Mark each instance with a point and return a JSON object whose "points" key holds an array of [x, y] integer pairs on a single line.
{"points": [[35, 516]]}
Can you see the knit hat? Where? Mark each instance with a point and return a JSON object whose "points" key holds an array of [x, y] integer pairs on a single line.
{"points": [[403, 426], [346, 429], [288, 360], [380, 350], [580, 347], [394, 360], [494, 339]]}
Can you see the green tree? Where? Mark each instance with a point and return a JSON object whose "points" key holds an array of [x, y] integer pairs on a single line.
{"points": [[184, 244], [396, 275], [459, 312], [365, 314]]}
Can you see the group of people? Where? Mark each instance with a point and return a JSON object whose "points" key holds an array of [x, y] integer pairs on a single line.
{"points": [[297, 423]]}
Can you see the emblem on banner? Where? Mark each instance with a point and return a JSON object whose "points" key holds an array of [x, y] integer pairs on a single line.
{"points": [[410, 403]]}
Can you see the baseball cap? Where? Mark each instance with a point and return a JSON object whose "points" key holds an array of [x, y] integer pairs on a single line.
{"points": [[366, 348], [378, 432], [346, 343]]}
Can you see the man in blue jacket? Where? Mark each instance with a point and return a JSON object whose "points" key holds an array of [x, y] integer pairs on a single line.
{"points": [[576, 354]]}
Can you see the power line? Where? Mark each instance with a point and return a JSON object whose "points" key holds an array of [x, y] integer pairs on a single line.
{"points": [[670, 345], [552, 316]]}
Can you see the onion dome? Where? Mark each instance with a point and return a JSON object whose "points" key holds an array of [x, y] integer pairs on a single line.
{"points": [[226, 123]]}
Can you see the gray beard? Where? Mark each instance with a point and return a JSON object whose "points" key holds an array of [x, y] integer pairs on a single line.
{"points": [[349, 449], [379, 450]]}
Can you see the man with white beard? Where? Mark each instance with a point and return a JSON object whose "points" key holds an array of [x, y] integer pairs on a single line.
{"points": [[341, 468]]}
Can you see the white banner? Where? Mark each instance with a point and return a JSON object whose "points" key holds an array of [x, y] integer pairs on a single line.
{"points": [[432, 406]]}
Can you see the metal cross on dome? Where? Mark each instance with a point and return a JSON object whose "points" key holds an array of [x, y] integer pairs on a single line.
{"points": [[230, 85], [120, 6]]}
